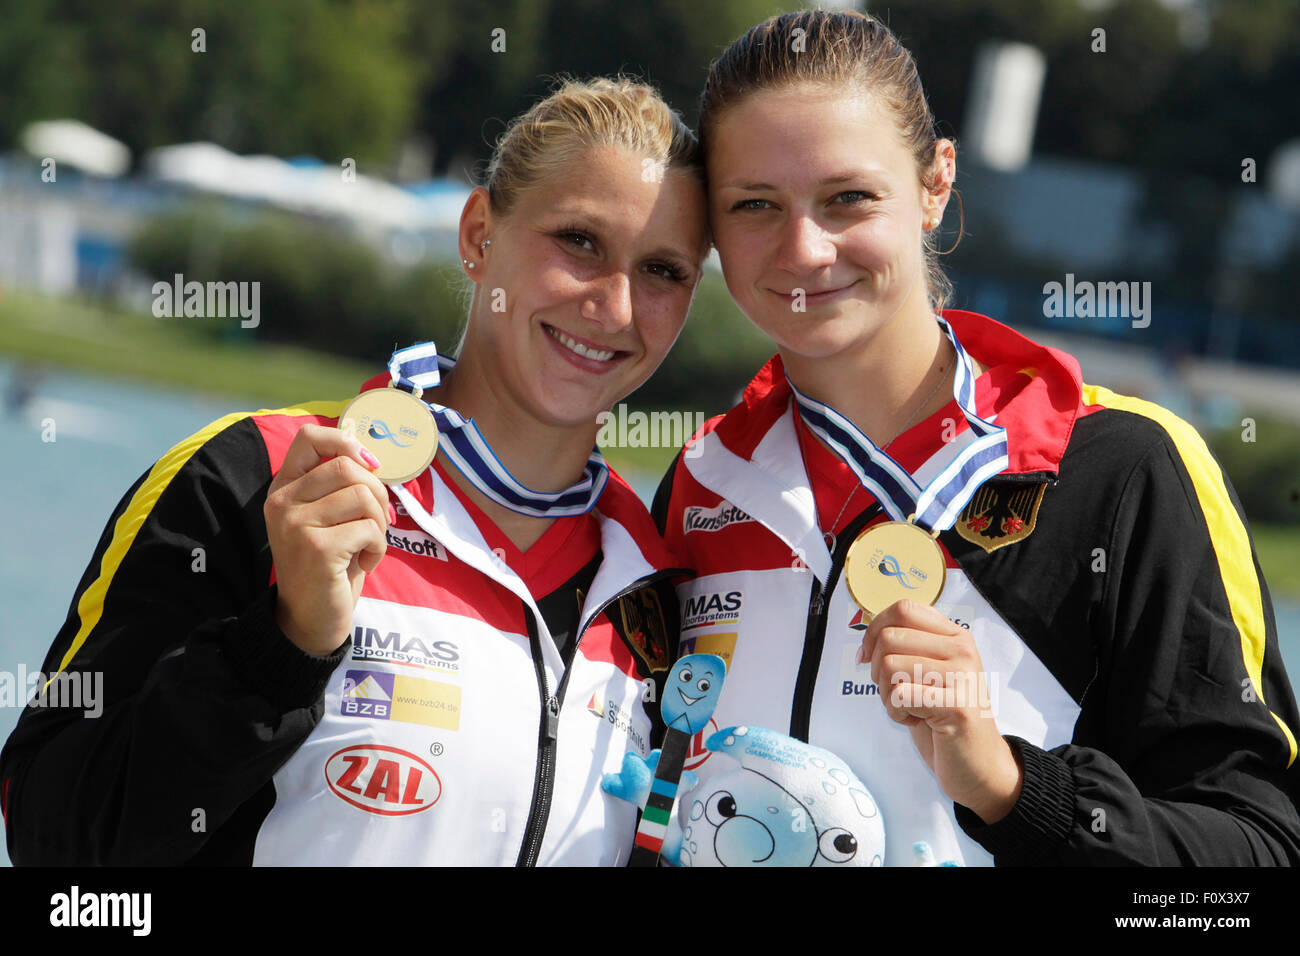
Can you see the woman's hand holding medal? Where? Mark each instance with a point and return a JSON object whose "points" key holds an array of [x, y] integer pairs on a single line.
{"points": [[933, 682], [327, 519]]}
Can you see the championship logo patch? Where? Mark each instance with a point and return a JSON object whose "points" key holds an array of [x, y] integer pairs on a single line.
{"points": [[998, 515], [644, 627]]}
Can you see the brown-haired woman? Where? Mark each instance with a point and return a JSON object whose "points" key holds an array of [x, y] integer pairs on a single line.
{"points": [[501, 610], [1086, 669]]}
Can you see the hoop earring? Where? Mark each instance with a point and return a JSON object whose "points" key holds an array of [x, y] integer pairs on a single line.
{"points": [[961, 223]]}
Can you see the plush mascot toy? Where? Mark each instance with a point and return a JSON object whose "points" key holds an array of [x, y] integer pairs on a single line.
{"points": [[785, 803]]}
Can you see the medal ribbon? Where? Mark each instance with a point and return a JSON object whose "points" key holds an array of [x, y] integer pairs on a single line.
{"points": [[936, 506], [418, 367]]}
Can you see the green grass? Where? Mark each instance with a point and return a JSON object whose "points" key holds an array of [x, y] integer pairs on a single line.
{"points": [[88, 336], [184, 353], [647, 461], [1278, 547]]}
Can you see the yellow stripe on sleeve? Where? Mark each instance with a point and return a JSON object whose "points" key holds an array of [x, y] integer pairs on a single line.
{"points": [[1227, 532], [91, 606]]}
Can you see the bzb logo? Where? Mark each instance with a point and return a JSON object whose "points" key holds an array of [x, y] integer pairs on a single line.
{"points": [[383, 780]]}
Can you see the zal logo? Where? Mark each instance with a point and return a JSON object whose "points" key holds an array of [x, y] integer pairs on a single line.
{"points": [[712, 519], [383, 780], [712, 608], [372, 644]]}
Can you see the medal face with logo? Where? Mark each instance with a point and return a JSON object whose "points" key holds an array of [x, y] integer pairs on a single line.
{"points": [[398, 428], [892, 561]]}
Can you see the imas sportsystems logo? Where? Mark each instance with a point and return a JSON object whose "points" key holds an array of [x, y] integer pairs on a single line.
{"points": [[712, 519], [372, 644], [712, 607]]}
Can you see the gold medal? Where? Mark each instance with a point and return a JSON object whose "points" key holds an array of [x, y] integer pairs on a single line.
{"points": [[397, 428], [892, 561]]}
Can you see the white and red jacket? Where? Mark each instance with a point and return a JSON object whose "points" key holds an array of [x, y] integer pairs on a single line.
{"points": [[446, 731], [1107, 578]]}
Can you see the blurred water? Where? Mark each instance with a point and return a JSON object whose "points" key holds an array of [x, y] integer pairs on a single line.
{"points": [[59, 494]]}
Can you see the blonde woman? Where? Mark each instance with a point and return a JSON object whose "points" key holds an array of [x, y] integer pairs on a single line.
{"points": [[431, 669]]}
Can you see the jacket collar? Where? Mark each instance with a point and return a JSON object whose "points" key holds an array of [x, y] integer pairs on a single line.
{"points": [[752, 457], [630, 544], [1035, 392]]}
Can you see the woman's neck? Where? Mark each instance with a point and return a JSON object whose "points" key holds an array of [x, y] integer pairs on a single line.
{"points": [[545, 458], [900, 376]]}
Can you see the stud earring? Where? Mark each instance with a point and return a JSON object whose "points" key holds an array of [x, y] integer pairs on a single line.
{"points": [[468, 263], [484, 244]]}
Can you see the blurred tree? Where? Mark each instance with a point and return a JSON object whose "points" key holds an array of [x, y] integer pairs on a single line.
{"points": [[668, 42], [487, 58], [354, 77], [294, 76], [41, 69]]}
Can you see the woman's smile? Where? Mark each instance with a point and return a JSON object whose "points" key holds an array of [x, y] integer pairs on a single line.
{"points": [[816, 297], [584, 353]]}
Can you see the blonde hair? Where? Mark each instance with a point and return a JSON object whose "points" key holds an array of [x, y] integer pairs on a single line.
{"points": [[834, 48], [579, 115]]}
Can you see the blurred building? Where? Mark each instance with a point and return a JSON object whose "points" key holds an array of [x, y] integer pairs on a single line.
{"points": [[67, 213]]}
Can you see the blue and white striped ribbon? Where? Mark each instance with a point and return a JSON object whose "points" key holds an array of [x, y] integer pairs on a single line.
{"points": [[937, 505], [418, 367]]}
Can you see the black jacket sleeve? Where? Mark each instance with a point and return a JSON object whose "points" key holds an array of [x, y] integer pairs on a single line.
{"points": [[1184, 750], [195, 696]]}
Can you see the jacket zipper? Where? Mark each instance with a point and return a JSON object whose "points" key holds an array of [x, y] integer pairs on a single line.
{"points": [[814, 638], [544, 776]]}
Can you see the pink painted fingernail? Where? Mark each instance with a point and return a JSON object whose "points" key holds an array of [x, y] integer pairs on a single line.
{"points": [[369, 459]]}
